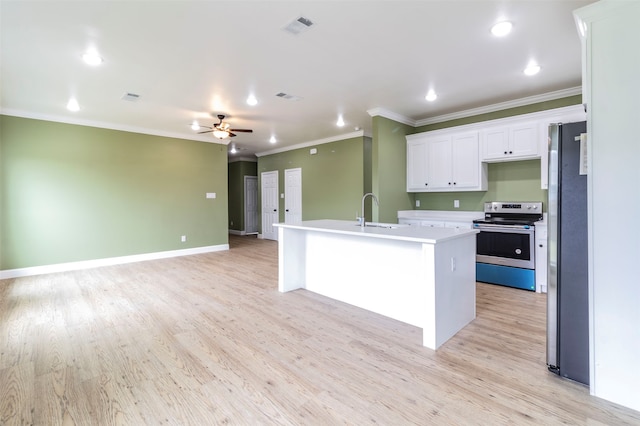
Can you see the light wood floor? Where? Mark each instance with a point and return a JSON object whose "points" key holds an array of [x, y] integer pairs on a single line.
{"points": [[207, 339]]}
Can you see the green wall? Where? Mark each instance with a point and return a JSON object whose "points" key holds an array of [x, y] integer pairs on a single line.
{"points": [[237, 171], [511, 181], [73, 193], [525, 109], [332, 179], [390, 168]]}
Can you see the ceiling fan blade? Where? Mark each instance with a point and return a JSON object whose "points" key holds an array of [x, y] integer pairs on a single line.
{"points": [[232, 134], [206, 131], [242, 130]]}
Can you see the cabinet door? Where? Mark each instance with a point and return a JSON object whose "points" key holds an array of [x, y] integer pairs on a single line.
{"points": [[466, 160], [459, 225], [439, 163], [416, 165], [495, 143], [523, 140]]}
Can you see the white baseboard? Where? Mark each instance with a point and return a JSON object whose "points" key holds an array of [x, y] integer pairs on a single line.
{"points": [[236, 232], [86, 264]]}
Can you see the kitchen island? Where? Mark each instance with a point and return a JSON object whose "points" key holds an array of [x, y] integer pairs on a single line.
{"points": [[421, 276]]}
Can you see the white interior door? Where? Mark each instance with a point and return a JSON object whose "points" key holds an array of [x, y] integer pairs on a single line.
{"points": [[292, 195], [250, 204], [269, 204]]}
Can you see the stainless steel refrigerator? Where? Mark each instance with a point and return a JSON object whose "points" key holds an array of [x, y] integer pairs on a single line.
{"points": [[567, 297]]}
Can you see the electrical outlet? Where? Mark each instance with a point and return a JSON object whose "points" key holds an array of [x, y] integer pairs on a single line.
{"points": [[183, 238], [456, 204], [417, 203]]}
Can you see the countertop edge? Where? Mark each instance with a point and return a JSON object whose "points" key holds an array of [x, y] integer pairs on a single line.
{"points": [[442, 234]]}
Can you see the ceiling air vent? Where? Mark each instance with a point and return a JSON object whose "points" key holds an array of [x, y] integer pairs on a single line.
{"points": [[288, 97], [131, 97], [298, 25]]}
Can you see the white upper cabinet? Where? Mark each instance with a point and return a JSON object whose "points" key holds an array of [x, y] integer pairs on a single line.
{"points": [[439, 163], [448, 161], [508, 143], [455, 158], [416, 165]]}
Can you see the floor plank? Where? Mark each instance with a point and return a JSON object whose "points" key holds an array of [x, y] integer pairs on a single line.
{"points": [[208, 339]]}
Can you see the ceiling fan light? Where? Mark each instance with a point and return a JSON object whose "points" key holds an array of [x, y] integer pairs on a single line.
{"points": [[220, 134], [340, 121], [272, 139], [431, 96], [195, 126], [251, 100]]}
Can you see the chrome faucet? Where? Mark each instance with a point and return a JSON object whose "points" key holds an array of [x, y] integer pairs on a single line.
{"points": [[362, 221]]}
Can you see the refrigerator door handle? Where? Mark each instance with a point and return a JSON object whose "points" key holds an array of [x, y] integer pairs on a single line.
{"points": [[552, 272]]}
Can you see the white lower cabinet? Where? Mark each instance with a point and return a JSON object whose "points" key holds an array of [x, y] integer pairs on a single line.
{"points": [[436, 223], [459, 225]]}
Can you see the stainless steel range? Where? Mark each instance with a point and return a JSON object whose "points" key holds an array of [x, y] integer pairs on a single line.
{"points": [[505, 243]]}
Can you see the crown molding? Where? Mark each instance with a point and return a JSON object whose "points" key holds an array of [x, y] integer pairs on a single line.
{"points": [[103, 125], [382, 112], [356, 134], [550, 96]]}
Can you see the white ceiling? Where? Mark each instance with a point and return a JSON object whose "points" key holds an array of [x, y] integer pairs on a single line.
{"points": [[190, 59]]}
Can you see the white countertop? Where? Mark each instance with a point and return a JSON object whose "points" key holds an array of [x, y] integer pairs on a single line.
{"points": [[398, 232]]}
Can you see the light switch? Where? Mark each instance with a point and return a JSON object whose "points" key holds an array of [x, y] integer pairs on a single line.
{"points": [[417, 203], [456, 204], [211, 195], [281, 195]]}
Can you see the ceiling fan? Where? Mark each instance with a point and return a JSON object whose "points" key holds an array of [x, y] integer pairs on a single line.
{"points": [[222, 130]]}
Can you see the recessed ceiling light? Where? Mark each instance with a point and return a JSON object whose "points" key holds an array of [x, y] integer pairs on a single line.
{"points": [[92, 58], [272, 139], [195, 126], [340, 121], [532, 69], [233, 148], [73, 105], [251, 100], [501, 29], [431, 96]]}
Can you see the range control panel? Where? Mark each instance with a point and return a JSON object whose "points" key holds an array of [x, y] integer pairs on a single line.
{"points": [[512, 207]]}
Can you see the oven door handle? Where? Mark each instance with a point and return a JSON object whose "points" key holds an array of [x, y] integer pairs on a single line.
{"points": [[509, 228]]}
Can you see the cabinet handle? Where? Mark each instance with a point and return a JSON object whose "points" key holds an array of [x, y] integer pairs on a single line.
{"points": [[540, 245], [505, 153], [425, 184], [286, 210], [454, 183], [275, 210], [510, 152], [449, 183]]}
